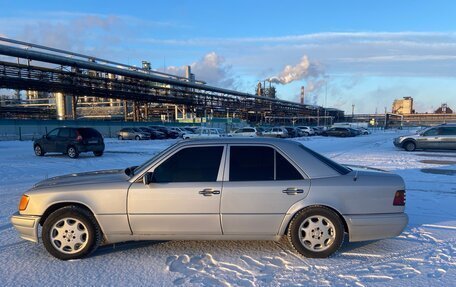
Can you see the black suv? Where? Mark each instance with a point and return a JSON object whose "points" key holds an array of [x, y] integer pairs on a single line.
{"points": [[70, 141]]}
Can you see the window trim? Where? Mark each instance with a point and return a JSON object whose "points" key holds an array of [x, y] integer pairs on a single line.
{"points": [[226, 175]]}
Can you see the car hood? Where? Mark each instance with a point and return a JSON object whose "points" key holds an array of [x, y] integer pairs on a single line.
{"points": [[93, 177]]}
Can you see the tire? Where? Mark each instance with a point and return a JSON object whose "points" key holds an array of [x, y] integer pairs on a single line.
{"points": [[137, 138], [38, 150], [120, 138], [409, 146], [77, 227], [72, 152], [98, 153], [324, 236]]}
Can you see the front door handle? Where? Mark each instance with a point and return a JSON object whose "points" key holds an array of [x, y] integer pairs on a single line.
{"points": [[209, 192], [292, 191]]}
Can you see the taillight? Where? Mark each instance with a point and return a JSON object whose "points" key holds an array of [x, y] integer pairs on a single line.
{"points": [[23, 203], [399, 198], [78, 137]]}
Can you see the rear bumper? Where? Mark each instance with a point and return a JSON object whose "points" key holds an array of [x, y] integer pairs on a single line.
{"points": [[26, 225], [375, 226]]}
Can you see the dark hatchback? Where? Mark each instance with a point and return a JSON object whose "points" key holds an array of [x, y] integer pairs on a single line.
{"points": [[339, 132], [70, 141]]}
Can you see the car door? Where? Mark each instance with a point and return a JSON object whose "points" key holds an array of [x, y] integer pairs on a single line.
{"points": [[184, 196], [62, 140], [429, 139], [49, 141], [448, 137], [260, 185]]}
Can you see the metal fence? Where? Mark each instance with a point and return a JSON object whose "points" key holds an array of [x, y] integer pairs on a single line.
{"points": [[32, 129]]}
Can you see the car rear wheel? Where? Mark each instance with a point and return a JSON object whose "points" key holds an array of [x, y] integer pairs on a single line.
{"points": [[72, 152], [70, 233], [137, 138], [316, 232], [409, 146], [38, 150], [98, 153]]}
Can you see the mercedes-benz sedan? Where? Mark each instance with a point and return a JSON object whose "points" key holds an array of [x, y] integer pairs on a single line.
{"points": [[224, 188]]}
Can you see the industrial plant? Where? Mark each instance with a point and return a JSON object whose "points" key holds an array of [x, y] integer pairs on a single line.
{"points": [[63, 85]]}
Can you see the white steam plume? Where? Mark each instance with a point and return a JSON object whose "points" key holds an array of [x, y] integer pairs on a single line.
{"points": [[304, 69]]}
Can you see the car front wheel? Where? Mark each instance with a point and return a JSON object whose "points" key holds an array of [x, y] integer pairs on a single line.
{"points": [[38, 150], [70, 233], [410, 146], [316, 232], [137, 138]]}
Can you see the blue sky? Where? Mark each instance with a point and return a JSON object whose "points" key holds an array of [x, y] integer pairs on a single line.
{"points": [[365, 53]]}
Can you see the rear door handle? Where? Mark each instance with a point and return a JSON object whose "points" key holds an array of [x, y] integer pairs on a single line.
{"points": [[292, 191], [209, 192]]}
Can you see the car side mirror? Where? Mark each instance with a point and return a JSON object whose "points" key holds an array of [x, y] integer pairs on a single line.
{"points": [[148, 178]]}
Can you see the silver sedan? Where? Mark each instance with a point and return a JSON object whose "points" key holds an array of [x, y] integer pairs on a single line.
{"points": [[225, 188]]}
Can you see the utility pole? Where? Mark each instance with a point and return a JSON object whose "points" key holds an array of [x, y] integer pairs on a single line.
{"points": [[353, 112]]}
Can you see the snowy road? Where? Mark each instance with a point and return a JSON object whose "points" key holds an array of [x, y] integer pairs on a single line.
{"points": [[424, 255]]}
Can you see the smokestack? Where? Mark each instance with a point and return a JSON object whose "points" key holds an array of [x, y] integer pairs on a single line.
{"points": [[302, 95]]}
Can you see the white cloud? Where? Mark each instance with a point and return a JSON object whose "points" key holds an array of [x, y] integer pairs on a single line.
{"points": [[211, 68]]}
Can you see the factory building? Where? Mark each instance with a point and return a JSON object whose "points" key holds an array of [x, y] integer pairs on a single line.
{"points": [[403, 106]]}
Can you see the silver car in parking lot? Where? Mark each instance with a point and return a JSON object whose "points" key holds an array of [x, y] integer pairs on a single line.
{"points": [[438, 137], [224, 188]]}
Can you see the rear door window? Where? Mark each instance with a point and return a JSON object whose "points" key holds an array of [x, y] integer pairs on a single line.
{"points": [[448, 131], [260, 163], [285, 170], [251, 163]]}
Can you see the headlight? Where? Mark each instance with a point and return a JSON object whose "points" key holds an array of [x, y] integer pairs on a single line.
{"points": [[24, 202]]}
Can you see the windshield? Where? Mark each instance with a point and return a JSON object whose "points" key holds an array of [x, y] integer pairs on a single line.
{"points": [[145, 165]]}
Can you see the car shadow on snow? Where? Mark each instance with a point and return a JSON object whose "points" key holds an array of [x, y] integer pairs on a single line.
{"points": [[124, 246]]}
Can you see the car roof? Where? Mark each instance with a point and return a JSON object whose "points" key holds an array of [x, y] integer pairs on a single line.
{"points": [[238, 140]]}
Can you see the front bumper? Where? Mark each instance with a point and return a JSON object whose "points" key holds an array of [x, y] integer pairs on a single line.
{"points": [[26, 225], [375, 226], [397, 142]]}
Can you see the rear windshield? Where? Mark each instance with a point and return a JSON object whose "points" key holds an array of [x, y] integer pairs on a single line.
{"points": [[89, 133], [334, 165]]}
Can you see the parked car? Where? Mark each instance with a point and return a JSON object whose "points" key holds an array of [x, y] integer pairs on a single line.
{"points": [[276, 132], [246, 132], [132, 134], [154, 134], [191, 129], [168, 132], [70, 141], [203, 133], [292, 132], [180, 130], [262, 188], [339, 132], [364, 131], [438, 137], [307, 131], [318, 130], [355, 132]]}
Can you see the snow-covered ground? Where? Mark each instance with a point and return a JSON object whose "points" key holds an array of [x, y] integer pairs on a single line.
{"points": [[424, 255]]}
